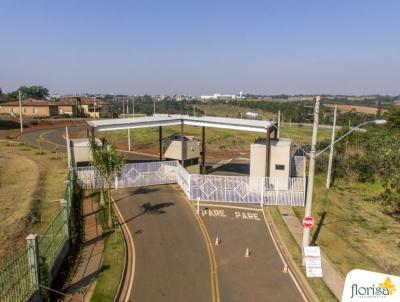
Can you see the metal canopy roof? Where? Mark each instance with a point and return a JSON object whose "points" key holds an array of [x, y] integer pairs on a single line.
{"points": [[169, 120]]}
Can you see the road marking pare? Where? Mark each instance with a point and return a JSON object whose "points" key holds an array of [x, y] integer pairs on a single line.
{"points": [[235, 215]]}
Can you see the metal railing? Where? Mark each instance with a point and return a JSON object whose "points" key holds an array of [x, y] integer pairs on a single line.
{"points": [[234, 189]]}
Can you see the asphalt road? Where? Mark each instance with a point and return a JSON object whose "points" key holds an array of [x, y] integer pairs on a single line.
{"points": [[257, 278], [172, 263], [53, 137]]}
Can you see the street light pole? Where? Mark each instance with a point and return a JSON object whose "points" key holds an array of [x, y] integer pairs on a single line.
{"points": [[20, 112], [311, 169], [279, 124], [329, 175]]}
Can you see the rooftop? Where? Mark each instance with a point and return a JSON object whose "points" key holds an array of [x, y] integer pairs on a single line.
{"points": [[169, 120], [30, 102]]}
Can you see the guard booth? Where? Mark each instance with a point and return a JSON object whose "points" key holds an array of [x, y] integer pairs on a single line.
{"points": [[184, 148]]}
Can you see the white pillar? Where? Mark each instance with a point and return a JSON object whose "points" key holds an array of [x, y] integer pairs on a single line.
{"points": [[310, 184], [68, 147], [33, 259]]}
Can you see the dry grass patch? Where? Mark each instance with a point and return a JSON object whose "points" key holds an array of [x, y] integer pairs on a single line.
{"points": [[30, 187], [348, 108], [355, 232]]}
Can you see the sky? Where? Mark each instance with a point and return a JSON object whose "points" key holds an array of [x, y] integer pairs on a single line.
{"points": [[201, 47]]}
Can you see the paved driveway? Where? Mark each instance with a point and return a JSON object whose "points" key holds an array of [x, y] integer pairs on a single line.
{"points": [[257, 278], [172, 262]]}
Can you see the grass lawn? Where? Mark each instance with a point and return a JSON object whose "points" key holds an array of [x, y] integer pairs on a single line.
{"points": [[111, 269], [113, 257], [318, 285], [228, 110], [31, 185], [355, 232]]}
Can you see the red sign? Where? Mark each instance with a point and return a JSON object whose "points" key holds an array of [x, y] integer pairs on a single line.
{"points": [[308, 222]]}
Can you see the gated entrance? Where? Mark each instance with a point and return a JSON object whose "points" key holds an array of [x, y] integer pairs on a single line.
{"points": [[233, 189]]}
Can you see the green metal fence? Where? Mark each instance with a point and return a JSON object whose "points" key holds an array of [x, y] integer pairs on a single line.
{"points": [[16, 280], [53, 240]]}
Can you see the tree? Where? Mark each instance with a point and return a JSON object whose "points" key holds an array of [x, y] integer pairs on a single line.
{"points": [[393, 117], [34, 92], [109, 163], [40, 142]]}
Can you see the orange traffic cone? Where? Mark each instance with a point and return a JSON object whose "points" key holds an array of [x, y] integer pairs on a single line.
{"points": [[285, 269], [217, 241], [247, 253]]}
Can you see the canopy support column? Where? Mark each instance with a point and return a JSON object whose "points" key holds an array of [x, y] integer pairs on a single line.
{"points": [[160, 142], [203, 149], [267, 152], [182, 144]]}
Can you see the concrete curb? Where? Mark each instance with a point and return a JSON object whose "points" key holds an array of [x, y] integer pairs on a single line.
{"points": [[292, 266], [126, 281]]}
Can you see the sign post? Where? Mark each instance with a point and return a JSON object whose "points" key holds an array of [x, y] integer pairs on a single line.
{"points": [[312, 257], [308, 222]]}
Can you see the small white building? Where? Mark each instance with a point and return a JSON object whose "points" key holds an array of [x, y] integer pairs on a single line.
{"points": [[81, 154], [280, 159]]}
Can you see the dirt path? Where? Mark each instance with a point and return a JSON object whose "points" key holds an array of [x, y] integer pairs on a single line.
{"points": [[82, 284]]}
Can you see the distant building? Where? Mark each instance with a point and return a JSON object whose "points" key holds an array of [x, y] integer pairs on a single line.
{"points": [[31, 107], [69, 106], [95, 108], [216, 96]]}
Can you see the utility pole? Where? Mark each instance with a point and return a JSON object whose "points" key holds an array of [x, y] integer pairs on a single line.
{"points": [[329, 175], [194, 110], [20, 111], [279, 124], [154, 107], [127, 108], [94, 108], [133, 107], [310, 183], [123, 107]]}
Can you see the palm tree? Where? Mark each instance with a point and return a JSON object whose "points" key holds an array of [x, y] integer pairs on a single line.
{"points": [[109, 163]]}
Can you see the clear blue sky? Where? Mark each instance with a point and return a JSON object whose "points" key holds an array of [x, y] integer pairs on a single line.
{"points": [[200, 47]]}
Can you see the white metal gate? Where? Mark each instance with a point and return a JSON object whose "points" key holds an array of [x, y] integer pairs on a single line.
{"points": [[238, 189], [234, 189], [147, 174], [183, 179], [131, 175]]}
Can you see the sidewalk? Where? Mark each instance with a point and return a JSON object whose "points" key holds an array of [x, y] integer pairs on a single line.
{"points": [[82, 284], [332, 277]]}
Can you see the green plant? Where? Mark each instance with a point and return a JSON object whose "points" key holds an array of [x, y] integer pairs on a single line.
{"points": [[40, 142], [109, 163]]}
